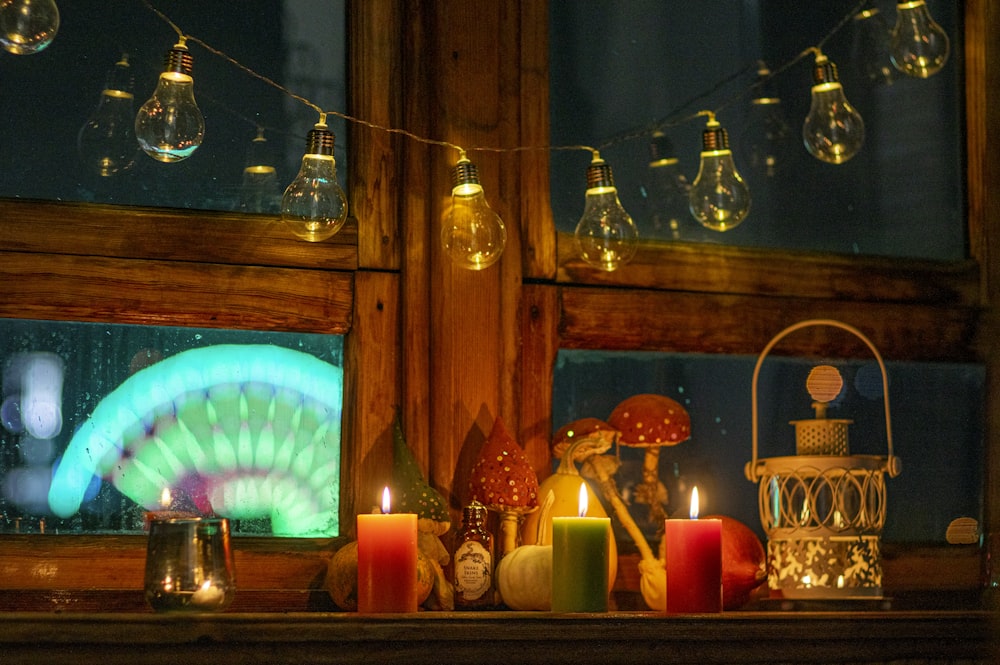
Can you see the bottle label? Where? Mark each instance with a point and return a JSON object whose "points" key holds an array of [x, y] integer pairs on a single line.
{"points": [[473, 570]]}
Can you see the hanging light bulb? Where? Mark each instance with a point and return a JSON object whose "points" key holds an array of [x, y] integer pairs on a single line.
{"points": [[833, 131], [106, 142], [870, 48], [666, 194], [606, 236], [259, 191], [918, 46], [170, 125], [28, 26], [720, 199], [473, 236], [313, 205], [766, 134]]}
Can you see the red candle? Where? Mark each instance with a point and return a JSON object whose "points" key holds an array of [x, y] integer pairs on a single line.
{"points": [[387, 561], [694, 563]]}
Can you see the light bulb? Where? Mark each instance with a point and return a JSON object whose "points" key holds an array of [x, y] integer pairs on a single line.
{"points": [[259, 191], [314, 206], [918, 46], [472, 236], [720, 199], [666, 194], [28, 26], [106, 142], [606, 236], [766, 134], [833, 131], [870, 49], [170, 125]]}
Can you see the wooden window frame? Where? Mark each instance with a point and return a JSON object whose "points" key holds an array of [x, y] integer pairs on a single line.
{"points": [[409, 65]]}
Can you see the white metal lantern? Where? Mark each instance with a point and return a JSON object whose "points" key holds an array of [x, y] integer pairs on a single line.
{"points": [[823, 509]]}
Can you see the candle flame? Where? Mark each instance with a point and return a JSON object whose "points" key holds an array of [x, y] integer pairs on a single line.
{"points": [[583, 500], [165, 497], [694, 503], [385, 500]]}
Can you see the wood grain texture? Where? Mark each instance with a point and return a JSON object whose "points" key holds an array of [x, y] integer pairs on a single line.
{"points": [[649, 320], [778, 273], [175, 235], [539, 346], [174, 293], [772, 638], [372, 379], [982, 64], [374, 78]]}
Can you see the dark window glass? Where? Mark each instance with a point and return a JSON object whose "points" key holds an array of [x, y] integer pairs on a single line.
{"points": [[46, 98], [621, 69], [103, 424]]}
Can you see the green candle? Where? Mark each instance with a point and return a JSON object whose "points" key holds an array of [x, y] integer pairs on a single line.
{"points": [[580, 548]]}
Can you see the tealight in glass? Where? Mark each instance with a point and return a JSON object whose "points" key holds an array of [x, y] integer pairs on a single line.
{"points": [[189, 565]]}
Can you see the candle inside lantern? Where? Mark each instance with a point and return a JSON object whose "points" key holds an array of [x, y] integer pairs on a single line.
{"points": [[694, 563], [580, 548], [387, 561]]}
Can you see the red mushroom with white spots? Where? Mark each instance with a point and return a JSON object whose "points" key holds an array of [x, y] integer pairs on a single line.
{"points": [[503, 480], [651, 422]]}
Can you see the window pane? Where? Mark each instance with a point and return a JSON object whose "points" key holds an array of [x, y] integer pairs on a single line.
{"points": [[937, 426], [621, 67], [104, 423], [48, 97]]}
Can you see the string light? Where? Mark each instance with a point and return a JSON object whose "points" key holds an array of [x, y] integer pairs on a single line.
{"points": [[918, 46], [472, 236], [314, 206], [106, 142], [833, 131], [28, 26], [668, 190], [719, 198], [259, 191], [170, 125], [606, 237]]}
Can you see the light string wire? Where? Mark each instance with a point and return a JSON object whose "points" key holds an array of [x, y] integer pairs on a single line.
{"points": [[668, 121]]}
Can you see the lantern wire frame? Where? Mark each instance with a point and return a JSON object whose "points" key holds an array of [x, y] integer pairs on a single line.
{"points": [[823, 513]]}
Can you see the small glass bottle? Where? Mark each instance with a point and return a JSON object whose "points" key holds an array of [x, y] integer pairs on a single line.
{"points": [[473, 561]]}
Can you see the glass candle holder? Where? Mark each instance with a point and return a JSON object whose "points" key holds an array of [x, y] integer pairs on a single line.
{"points": [[189, 565]]}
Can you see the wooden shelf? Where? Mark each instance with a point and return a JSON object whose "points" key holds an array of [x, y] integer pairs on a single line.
{"points": [[499, 637]]}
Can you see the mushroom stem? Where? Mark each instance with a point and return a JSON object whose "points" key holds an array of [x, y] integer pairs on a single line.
{"points": [[597, 466], [648, 491], [509, 523]]}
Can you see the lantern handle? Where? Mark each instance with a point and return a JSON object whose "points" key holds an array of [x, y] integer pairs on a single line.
{"points": [[893, 465]]}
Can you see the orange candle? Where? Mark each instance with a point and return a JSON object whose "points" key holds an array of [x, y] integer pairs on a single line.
{"points": [[694, 563], [387, 561]]}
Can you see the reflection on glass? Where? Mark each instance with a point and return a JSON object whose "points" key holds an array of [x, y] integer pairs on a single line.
{"points": [[715, 391], [159, 421]]}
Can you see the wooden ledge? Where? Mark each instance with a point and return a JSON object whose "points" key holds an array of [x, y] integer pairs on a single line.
{"points": [[495, 637]]}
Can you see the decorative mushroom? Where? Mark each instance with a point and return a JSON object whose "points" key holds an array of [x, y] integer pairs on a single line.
{"points": [[651, 421], [503, 480], [572, 444], [413, 494]]}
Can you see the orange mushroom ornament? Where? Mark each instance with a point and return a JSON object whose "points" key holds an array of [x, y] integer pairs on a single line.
{"points": [[650, 421]]}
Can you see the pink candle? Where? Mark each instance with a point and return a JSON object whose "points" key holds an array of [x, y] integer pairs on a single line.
{"points": [[387, 561], [694, 563]]}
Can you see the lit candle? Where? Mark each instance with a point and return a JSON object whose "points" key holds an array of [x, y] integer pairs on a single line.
{"points": [[694, 563], [387, 561], [580, 561], [166, 511]]}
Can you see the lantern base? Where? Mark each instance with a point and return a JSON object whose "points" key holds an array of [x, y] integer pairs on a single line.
{"points": [[834, 567]]}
